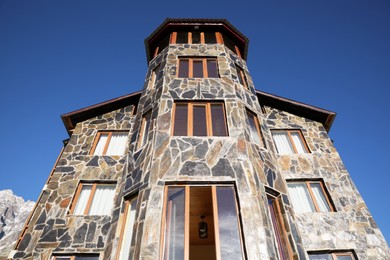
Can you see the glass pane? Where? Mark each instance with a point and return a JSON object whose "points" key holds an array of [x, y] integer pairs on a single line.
{"points": [[199, 120], [174, 221], [299, 145], [181, 119], [212, 69], [103, 200], [276, 229], [239, 75], [320, 257], [197, 68], [117, 144], [228, 43], [320, 197], [282, 142], [344, 257], [128, 230], [209, 37], [164, 43], [82, 200], [182, 37], [253, 128], [228, 224], [195, 37], [183, 68], [99, 149], [86, 258], [218, 119], [300, 197], [146, 127]]}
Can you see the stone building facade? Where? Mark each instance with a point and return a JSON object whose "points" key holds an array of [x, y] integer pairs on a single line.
{"points": [[199, 165]]}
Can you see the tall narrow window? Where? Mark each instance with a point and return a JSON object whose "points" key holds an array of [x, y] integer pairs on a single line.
{"points": [[145, 128], [93, 199], [198, 68], [309, 196], [127, 229], [110, 143], [254, 128], [278, 225], [242, 77], [154, 77], [199, 119], [197, 37], [201, 222], [332, 256], [289, 141]]}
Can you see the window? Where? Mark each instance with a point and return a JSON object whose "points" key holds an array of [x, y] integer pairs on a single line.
{"points": [[309, 196], [198, 68], [145, 128], [254, 128], [199, 119], [242, 77], [154, 77], [109, 143], [183, 37], [93, 199], [289, 141], [332, 256], [127, 229], [201, 222], [76, 257]]}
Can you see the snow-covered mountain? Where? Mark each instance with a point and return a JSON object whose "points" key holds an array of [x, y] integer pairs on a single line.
{"points": [[14, 211]]}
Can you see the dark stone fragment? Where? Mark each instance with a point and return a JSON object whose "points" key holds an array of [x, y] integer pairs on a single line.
{"points": [[270, 177], [79, 236], [129, 183], [285, 200], [60, 221], [42, 218], [25, 242], [98, 121], [223, 168], [64, 169], [201, 150], [188, 94], [109, 160], [195, 169], [39, 227], [50, 237], [136, 155], [207, 95], [272, 115], [115, 215], [105, 228], [94, 161], [90, 245], [91, 232], [62, 231], [174, 95], [65, 244], [65, 237], [100, 243], [372, 222], [119, 116], [19, 254]]}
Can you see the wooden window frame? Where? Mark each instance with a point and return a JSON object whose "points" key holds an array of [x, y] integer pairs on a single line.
{"points": [[142, 134], [190, 123], [187, 219], [334, 255], [73, 257], [153, 77], [90, 199], [189, 38], [241, 74], [312, 196], [109, 135], [191, 66], [290, 139], [257, 124]]}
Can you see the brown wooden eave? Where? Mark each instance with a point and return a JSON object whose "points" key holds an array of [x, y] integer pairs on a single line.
{"points": [[317, 114], [72, 118]]}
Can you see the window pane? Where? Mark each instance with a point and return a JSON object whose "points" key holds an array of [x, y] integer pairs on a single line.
{"points": [[195, 37], [102, 201], [320, 197], [218, 120], [240, 76], [228, 224], [228, 43], [344, 257], [117, 144], [197, 68], [212, 69], [299, 145], [253, 128], [183, 68], [209, 37], [276, 228], [82, 200], [282, 142], [164, 43], [174, 221], [145, 129], [86, 258], [128, 230], [199, 120], [300, 197], [99, 149], [62, 258], [182, 37], [320, 257], [181, 117]]}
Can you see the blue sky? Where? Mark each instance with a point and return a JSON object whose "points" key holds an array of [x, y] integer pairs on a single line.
{"points": [[59, 56]]}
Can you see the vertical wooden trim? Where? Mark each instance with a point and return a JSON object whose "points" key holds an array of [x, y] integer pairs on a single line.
{"points": [[225, 118], [164, 228], [218, 35], [208, 119], [173, 37], [173, 118], [187, 224], [238, 51], [90, 199], [190, 68], [283, 230], [216, 223], [122, 228], [156, 51], [325, 195], [109, 134], [75, 199], [141, 135], [202, 40], [205, 72], [312, 196], [190, 119], [189, 37], [95, 142]]}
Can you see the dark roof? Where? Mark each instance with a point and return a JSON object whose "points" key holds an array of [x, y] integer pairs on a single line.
{"points": [[195, 21], [321, 115]]}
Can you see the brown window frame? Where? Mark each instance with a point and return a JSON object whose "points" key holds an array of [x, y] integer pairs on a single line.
{"points": [[242, 79], [191, 60], [90, 198], [257, 124], [187, 208], [143, 134], [334, 255], [109, 135], [208, 119], [73, 257], [154, 77], [313, 199], [290, 139], [189, 38]]}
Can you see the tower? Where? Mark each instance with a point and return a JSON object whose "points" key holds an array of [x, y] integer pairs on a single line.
{"points": [[199, 165]]}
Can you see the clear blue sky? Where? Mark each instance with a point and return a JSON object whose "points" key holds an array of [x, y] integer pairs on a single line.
{"points": [[59, 56]]}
